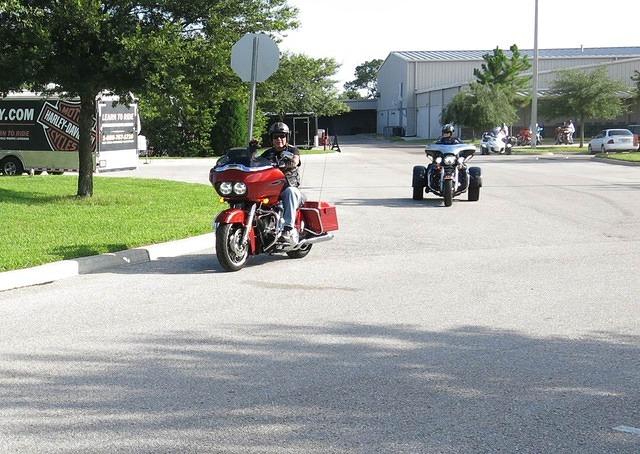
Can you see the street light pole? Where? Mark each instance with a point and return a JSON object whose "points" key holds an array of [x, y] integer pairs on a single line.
{"points": [[534, 97]]}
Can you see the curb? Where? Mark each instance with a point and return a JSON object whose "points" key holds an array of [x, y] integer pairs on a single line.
{"points": [[619, 162], [50, 272]]}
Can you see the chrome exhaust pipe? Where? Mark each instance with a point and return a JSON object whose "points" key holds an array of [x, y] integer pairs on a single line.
{"points": [[314, 240]]}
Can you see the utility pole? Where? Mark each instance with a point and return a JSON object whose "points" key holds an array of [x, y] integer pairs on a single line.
{"points": [[534, 97]]}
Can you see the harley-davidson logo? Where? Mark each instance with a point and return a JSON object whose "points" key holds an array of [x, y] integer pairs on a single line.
{"points": [[60, 122]]}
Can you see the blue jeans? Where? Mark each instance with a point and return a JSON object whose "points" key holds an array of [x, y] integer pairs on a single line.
{"points": [[292, 199]]}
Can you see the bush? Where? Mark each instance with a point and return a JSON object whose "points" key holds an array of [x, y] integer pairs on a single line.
{"points": [[231, 126]]}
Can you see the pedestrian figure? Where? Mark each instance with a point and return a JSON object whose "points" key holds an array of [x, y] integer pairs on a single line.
{"points": [[335, 145]]}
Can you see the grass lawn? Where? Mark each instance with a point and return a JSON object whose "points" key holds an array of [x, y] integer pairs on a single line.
{"points": [[557, 149], [630, 156], [43, 221]]}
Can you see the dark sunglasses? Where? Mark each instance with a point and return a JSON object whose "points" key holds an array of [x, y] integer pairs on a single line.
{"points": [[279, 136]]}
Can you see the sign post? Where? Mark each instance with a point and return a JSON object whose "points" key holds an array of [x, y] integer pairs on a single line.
{"points": [[255, 57], [534, 92]]}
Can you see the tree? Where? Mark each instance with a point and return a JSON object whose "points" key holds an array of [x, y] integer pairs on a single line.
{"points": [[584, 96], [167, 48], [480, 107], [494, 97], [231, 126], [351, 94], [180, 105], [366, 79], [500, 70], [301, 84]]}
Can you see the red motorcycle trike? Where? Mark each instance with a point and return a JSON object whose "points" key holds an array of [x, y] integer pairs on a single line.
{"points": [[252, 224]]}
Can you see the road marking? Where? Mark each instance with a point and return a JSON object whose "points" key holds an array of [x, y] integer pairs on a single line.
{"points": [[631, 430]]}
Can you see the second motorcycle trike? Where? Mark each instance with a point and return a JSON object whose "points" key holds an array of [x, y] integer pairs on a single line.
{"points": [[448, 175]]}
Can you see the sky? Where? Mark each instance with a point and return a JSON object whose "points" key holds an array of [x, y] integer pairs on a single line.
{"points": [[355, 31]]}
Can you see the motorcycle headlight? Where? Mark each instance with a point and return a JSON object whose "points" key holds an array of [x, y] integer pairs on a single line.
{"points": [[240, 188], [438, 160], [225, 188], [460, 160], [449, 160]]}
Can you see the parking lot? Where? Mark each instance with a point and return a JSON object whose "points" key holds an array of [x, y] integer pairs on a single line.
{"points": [[504, 325]]}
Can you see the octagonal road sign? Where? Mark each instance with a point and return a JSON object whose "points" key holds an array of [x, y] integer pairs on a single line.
{"points": [[267, 57]]}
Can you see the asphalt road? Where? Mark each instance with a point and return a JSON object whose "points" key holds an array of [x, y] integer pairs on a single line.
{"points": [[506, 325]]}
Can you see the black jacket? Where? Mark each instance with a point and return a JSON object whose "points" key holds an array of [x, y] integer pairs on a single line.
{"points": [[291, 173], [448, 141]]}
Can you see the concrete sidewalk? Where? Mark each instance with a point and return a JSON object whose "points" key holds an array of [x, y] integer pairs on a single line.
{"points": [[84, 265]]}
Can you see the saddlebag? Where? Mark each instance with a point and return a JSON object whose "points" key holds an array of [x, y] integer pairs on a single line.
{"points": [[319, 217]]}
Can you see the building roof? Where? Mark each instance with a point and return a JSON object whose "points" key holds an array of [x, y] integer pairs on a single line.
{"points": [[472, 55], [362, 104]]}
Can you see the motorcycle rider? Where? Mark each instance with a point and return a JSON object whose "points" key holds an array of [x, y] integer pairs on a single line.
{"points": [[563, 133], [539, 132], [291, 196], [447, 137], [504, 132], [572, 130]]}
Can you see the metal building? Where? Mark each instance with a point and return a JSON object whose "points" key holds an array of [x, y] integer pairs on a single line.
{"points": [[414, 87]]}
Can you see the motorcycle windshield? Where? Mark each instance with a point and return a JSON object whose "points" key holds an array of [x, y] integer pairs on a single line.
{"points": [[242, 159], [459, 149]]}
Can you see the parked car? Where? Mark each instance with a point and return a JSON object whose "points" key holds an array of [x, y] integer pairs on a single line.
{"points": [[635, 129], [612, 140]]}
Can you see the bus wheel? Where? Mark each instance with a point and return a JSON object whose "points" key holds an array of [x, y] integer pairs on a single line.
{"points": [[11, 166]]}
